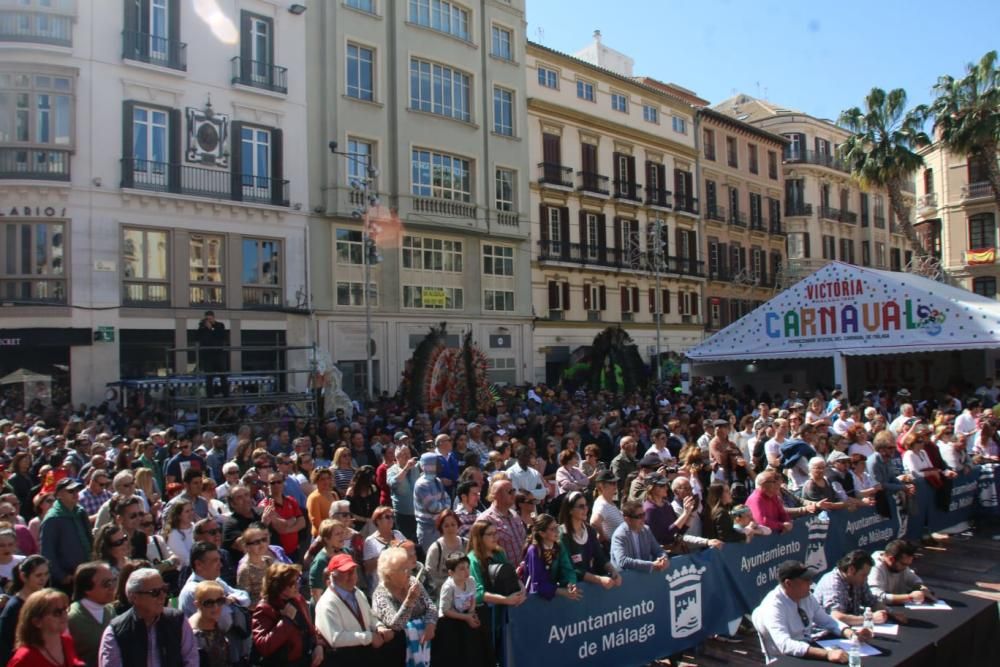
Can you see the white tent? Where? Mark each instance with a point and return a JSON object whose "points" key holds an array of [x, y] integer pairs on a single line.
{"points": [[843, 310], [24, 375]]}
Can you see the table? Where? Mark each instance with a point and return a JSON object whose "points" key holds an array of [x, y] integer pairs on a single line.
{"points": [[964, 636]]}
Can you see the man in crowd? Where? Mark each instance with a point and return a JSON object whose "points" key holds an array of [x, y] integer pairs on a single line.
{"points": [[626, 463], [765, 503], [91, 611], [345, 620], [891, 579], [242, 514], [510, 529], [523, 475], [843, 592], [192, 494], [65, 534], [206, 565], [184, 460], [97, 492], [282, 515], [633, 546], [595, 436]]}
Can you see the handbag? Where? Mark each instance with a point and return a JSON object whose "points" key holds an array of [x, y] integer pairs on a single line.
{"points": [[502, 579]]}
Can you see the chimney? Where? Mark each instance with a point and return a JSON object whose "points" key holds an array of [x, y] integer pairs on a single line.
{"points": [[597, 36]]}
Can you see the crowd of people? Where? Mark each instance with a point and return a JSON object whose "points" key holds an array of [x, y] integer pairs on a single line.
{"points": [[401, 537]]}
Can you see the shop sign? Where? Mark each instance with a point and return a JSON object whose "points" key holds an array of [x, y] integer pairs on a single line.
{"points": [[104, 335], [33, 212]]}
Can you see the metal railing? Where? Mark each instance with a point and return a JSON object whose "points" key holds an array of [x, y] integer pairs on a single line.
{"points": [[260, 74], [553, 173], [829, 213], [34, 163], [686, 204], [616, 258], [805, 156], [206, 295], [202, 182], [976, 190], [590, 181], [154, 49], [798, 209], [36, 27], [879, 221], [774, 226], [738, 218], [145, 294], [717, 213], [627, 190], [928, 200], [658, 197], [262, 297], [33, 290], [448, 207]]}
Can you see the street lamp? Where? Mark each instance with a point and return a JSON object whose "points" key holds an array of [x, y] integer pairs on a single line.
{"points": [[369, 251], [657, 240]]}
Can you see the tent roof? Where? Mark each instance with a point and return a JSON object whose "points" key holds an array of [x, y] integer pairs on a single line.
{"points": [[24, 375], [858, 311]]}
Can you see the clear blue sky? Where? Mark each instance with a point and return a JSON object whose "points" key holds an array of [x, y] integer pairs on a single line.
{"points": [[818, 56]]}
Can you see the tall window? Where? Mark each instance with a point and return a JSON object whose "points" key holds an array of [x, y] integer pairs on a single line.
{"points": [[205, 255], [498, 260], [650, 114], [150, 143], [732, 154], [548, 78], [772, 165], [37, 110], [441, 16], [441, 176], [986, 286], [350, 249], [982, 231], [498, 300], [362, 5], [421, 253], [554, 229], [592, 226], [679, 125], [258, 47], [362, 155], [255, 156], [360, 72], [352, 293], [261, 272], [585, 90], [708, 137], [752, 159], [33, 265], [619, 102], [145, 266], [503, 111], [439, 89], [502, 43], [505, 189]]}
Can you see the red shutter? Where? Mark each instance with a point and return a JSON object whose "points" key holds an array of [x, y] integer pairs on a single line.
{"points": [[680, 301], [565, 295], [553, 295], [724, 312], [694, 303], [807, 244], [551, 149], [602, 238], [630, 162], [666, 301], [619, 246], [603, 295], [564, 224], [624, 298], [635, 298]]}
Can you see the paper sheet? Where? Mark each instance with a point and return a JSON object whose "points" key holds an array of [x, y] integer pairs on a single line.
{"points": [[845, 645], [938, 604], [891, 629]]}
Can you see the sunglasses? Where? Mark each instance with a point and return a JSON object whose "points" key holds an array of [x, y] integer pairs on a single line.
{"points": [[276, 482], [217, 602], [253, 543], [119, 542], [214, 531], [133, 515], [155, 593]]}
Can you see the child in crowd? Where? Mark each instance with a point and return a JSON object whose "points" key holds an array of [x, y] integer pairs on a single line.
{"points": [[459, 639], [744, 523]]}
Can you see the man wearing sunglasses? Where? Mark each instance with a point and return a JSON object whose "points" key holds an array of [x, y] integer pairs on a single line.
{"points": [[148, 629], [93, 592]]}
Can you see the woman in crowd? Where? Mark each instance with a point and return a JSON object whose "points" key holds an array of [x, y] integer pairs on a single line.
{"points": [[582, 544], [551, 457], [401, 477], [111, 546], [283, 633], [484, 551], [363, 496], [383, 538], [256, 560], [122, 603], [43, 639], [20, 483], [333, 534], [42, 503], [525, 506], [569, 477], [606, 516], [547, 567], [382, 473], [213, 646], [718, 522], [343, 471], [442, 548], [30, 575], [319, 501], [178, 530], [401, 604], [146, 483], [818, 488]]}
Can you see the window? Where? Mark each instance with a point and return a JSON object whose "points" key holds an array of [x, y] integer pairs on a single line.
{"points": [[866, 253], [680, 125], [502, 300], [879, 212], [352, 293], [441, 16], [150, 147], [709, 139], [772, 165], [205, 259], [650, 114], [757, 265], [367, 6], [419, 296], [498, 260], [752, 159], [797, 245], [756, 210], [977, 170], [422, 253], [256, 50], [148, 35], [261, 272], [985, 286], [360, 72], [548, 78], [847, 250], [734, 204], [732, 152], [863, 204], [145, 266], [505, 189], [982, 231], [36, 109], [592, 228], [879, 255], [630, 299], [255, 163], [350, 249], [441, 176], [554, 223], [502, 43], [829, 247], [34, 261], [439, 89], [631, 253], [928, 180], [558, 297], [585, 90], [503, 111], [595, 298], [34, 24], [362, 156], [619, 102]]}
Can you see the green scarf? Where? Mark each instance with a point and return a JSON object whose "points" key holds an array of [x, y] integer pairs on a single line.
{"points": [[79, 518]]}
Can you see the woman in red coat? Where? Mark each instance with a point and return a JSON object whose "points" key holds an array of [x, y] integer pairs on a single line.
{"points": [[283, 635], [42, 637]]}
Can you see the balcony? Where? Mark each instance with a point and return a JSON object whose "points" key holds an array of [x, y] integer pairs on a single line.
{"points": [[927, 202], [592, 182], [627, 190], [145, 294], [738, 219], [879, 220], [686, 204], [793, 156], [447, 207], [154, 50], [757, 224], [829, 213], [850, 217], [977, 190], [34, 164], [798, 209], [717, 214], [203, 296], [33, 291], [553, 173], [658, 197], [615, 258], [33, 27], [774, 226], [259, 74], [261, 297], [508, 219], [202, 182]]}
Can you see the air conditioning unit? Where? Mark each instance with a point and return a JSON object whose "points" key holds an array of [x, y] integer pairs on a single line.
{"points": [[556, 315], [593, 316]]}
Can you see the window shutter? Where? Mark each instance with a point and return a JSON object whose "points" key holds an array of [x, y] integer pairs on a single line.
{"points": [[543, 223], [743, 258], [624, 298], [584, 241], [807, 245], [278, 168], [603, 294], [694, 303], [665, 301], [651, 176], [665, 239], [724, 260], [692, 248], [619, 246], [630, 168], [565, 295], [550, 148], [128, 145], [589, 158], [173, 31], [680, 302], [652, 299], [586, 297], [236, 160], [602, 238], [175, 128], [564, 230], [635, 298], [678, 186], [723, 312], [553, 295]]}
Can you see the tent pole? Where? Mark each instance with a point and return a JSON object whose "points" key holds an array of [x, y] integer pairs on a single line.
{"points": [[840, 373]]}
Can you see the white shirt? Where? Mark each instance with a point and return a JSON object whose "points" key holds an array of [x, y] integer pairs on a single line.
{"points": [[94, 609], [607, 515], [965, 423], [864, 450], [780, 627], [527, 480], [915, 462], [772, 449], [841, 425]]}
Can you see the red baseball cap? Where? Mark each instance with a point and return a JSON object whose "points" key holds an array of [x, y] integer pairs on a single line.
{"points": [[341, 563]]}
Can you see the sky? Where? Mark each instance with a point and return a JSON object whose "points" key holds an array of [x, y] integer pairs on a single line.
{"points": [[816, 56]]}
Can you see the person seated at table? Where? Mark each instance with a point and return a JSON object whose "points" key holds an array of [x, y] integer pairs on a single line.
{"points": [[891, 579], [633, 546], [844, 592], [786, 615]]}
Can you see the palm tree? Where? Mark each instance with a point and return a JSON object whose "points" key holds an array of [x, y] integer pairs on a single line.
{"points": [[967, 115], [881, 151]]}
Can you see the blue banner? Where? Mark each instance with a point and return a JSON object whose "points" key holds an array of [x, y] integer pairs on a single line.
{"points": [[961, 503], [989, 489], [753, 568]]}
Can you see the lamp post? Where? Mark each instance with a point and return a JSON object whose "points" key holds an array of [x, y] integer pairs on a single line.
{"points": [[657, 243], [368, 249]]}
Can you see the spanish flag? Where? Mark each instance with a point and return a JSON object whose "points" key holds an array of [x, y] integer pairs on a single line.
{"points": [[984, 256]]}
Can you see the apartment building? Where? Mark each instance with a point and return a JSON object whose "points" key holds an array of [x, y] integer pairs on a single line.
{"points": [[742, 186], [426, 99], [956, 218], [826, 215], [149, 171], [617, 238]]}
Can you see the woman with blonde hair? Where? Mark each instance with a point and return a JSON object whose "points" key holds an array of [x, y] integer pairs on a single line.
{"points": [[319, 501], [213, 646], [283, 633], [43, 639], [145, 482], [401, 603], [343, 470], [178, 529], [256, 560]]}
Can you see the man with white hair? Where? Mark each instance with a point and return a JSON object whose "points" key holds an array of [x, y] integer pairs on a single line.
{"points": [[906, 413], [149, 633], [231, 477], [124, 487]]}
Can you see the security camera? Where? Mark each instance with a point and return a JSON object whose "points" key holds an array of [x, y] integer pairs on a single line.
{"points": [[333, 146]]}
